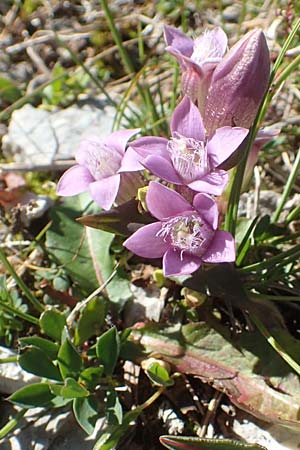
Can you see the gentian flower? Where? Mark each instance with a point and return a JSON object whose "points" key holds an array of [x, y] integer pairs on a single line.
{"points": [[101, 163], [238, 84], [185, 235], [197, 58], [188, 158]]}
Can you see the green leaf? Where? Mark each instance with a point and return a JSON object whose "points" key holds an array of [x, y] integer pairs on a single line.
{"points": [[113, 434], [108, 349], [49, 347], [91, 320], [35, 361], [69, 360], [84, 252], [91, 377], [72, 389], [52, 323], [120, 220], [159, 375], [191, 443], [33, 395], [114, 411], [8, 90], [86, 413]]}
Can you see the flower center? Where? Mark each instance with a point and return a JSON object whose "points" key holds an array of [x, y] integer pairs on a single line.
{"points": [[189, 157], [102, 161], [187, 233], [206, 49]]}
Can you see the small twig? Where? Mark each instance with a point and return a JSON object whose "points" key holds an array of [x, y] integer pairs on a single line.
{"points": [[83, 303], [31, 167], [211, 411]]}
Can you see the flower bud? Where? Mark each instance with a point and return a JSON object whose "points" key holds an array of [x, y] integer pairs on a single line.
{"points": [[238, 84]]}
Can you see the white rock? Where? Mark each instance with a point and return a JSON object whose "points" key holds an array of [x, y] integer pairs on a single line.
{"points": [[12, 377], [37, 136]]}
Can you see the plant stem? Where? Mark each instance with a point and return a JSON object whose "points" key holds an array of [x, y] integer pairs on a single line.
{"points": [[272, 261], [275, 298], [17, 312], [9, 359], [20, 282], [288, 187], [9, 426]]}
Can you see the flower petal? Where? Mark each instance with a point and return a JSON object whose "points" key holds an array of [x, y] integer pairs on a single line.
{"points": [[145, 242], [213, 183], [176, 264], [187, 120], [119, 139], [178, 40], [211, 46], [131, 162], [162, 168], [150, 145], [162, 202], [104, 191], [207, 209], [222, 248], [74, 181], [224, 142]]}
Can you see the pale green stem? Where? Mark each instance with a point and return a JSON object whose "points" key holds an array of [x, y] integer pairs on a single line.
{"points": [[288, 187], [9, 426], [20, 283], [272, 261], [277, 347], [22, 101], [17, 312], [9, 359]]}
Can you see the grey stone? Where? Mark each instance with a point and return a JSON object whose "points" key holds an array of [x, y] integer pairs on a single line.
{"points": [[12, 377], [232, 13], [38, 136]]}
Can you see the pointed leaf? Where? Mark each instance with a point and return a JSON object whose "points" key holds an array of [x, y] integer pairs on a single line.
{"points": [[35, 361], [72, 389], [84, 251], [108, 349], [120, 220], [49, 347], [114, 412], [91, 377], [91, 320], [33, 395], [52, 323], [69, 360], [86, 412]]}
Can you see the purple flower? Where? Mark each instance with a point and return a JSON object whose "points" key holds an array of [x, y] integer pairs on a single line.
{"points": [[185, 235], [188, 158], [101, 163], [238, 84], [197, 58]]}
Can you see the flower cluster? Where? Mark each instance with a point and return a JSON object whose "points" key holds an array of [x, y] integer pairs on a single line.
{"points": [[221, 93]]}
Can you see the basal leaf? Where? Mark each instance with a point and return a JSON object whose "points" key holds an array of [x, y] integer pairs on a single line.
{"points": [[33, 395], [108, 349], [52, 323], [248, 370], [49, 347], [69, 360], [37, 362], [72, 389], [84, 251], [86, 412], [91, 320], [192, 443]]}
